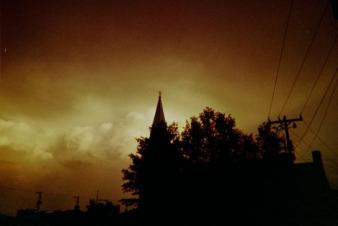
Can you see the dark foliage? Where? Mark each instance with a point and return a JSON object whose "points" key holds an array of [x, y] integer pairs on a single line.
{"points": [[203, 170], [209, 174]]}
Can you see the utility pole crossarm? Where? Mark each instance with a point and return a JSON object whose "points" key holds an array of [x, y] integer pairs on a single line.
{"points": [[300, 118], [284, 123]]}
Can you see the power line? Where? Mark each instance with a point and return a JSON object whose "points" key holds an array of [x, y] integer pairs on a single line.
{"points": [[298, 145], [303, 158], [320, 103], [298, 153], [281, 55], [325, 114], [300, 69], [320, 73], [318, 137], [301, 149]]}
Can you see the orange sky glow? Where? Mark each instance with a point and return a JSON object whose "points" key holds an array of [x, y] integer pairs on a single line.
{"points": [[79, 82]]}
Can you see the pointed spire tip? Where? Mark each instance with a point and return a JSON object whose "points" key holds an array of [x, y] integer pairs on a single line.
{"points": [[159, 114]]}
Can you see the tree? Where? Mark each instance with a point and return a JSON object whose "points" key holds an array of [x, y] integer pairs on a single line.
{"points": [[270, 141], [213, 138], [154, 168], [207, 164]]}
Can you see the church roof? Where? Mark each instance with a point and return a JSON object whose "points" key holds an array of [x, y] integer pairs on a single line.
{"points": [[159, 115]]}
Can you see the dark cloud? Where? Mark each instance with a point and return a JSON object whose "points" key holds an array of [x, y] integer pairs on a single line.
{"points": [[79, 81]]}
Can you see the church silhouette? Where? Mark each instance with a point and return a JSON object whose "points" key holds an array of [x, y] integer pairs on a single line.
{"points": [[259, 191], [209, 174]]}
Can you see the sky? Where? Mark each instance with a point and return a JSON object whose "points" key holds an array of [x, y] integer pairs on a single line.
{"points": [[80, 79]]}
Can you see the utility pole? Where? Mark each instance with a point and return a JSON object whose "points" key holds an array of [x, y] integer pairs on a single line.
{"points": [[77, 202], [39, 200], [97, 195], [284, 124]]}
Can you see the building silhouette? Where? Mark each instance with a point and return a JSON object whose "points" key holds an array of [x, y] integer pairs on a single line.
{"points": [[261, 191], [173, 192]]}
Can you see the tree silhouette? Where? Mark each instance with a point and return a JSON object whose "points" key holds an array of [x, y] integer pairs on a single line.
{"points": [[201, 170], [213, 138], [271, 142], [153, 173]]}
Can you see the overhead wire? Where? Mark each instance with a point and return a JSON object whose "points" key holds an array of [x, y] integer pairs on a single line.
{"points": [[303, 150], [299, 154], [298, 145], [319, 105], [319, 73], [318, 137], [316, 133], [307, 52], [281, 55], [324, 114]]}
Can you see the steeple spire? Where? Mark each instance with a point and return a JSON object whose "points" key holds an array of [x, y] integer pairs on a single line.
{"points": [[159, 115]]}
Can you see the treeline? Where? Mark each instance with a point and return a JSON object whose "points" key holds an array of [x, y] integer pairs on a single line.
{"points": [[208, 172], [96, 213], [211, 173]]}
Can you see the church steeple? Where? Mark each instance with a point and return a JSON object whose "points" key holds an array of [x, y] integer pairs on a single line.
{"points": [[159, 115]]}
